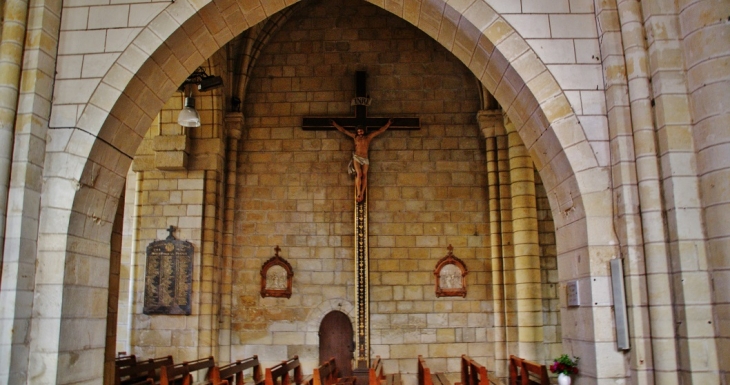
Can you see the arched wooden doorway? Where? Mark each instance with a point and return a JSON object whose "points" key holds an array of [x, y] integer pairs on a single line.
{"points": [[336, 339]]}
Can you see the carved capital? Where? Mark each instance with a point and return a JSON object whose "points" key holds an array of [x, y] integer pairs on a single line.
{"points": [[491, 122], [234, 124]]}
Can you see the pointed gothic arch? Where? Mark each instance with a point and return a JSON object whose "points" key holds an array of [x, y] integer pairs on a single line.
{"points": [[100, 147]]}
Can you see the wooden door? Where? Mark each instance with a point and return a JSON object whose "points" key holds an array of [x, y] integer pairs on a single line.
{"points": [[336, 340]]}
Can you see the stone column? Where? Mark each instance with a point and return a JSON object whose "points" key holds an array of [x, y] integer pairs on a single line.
{"points": [[14, 13], [704, 30], [234, 124], [696, 209], [528, 288], [659, 292], [492, 125], [626, 204], [27, 58]]}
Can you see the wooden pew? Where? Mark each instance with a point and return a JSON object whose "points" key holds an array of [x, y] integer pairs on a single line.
{"points": [[524, 372], [377, 375], [286, 373], [232, 374], [425, 377], [472, 373], [141, 372], [123, 361], [182, 374], [325, 374]]}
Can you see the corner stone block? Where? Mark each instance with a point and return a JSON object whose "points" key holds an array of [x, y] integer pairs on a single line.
{"points": [[171, 160], [171, 143]]}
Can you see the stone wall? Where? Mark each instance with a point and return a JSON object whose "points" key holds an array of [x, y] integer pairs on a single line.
{"points": [[427, 190], [167, 191]]}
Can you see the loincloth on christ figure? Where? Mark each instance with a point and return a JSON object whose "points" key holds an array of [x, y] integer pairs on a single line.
{"points": [[359, 159]]}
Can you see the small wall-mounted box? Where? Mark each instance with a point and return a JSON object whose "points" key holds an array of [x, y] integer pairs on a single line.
{"points": [[573, 297]]}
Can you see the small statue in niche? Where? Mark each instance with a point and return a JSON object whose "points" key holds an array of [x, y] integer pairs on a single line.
{"points": [[450, 275], [276, 277]]}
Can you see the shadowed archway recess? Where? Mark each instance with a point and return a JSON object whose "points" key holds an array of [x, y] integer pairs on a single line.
{"points": [[99, 150]]}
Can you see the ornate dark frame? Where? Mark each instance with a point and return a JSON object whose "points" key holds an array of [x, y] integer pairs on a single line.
{"points": [[276, 260], [450, 259]]}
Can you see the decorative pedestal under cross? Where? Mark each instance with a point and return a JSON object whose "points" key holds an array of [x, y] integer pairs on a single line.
{"points": [[361, 102]]}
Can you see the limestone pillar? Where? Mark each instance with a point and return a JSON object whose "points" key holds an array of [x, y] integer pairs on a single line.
{"points": [[626, 203], [14, 14], [234, 124], [528, 288], [703, 35], [647, 170], [12, 41], [27, 59], [679, 290], [492, 125]]}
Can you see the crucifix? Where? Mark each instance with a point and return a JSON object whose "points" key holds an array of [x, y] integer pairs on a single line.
{"points": [[360, 122]]}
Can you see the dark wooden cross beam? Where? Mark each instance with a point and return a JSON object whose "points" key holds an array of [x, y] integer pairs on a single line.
{"points": [[361, 118]]}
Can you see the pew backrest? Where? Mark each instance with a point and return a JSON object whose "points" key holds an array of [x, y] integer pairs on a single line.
{"points": [[125, 361], [375, 374], [515, 366], [534, 373], [472, 373], [280, 374], [525, 372], [233, 372], [182, 373], [325, 374], [128, 375], [424, 373], [154, 366], [143, 371]]}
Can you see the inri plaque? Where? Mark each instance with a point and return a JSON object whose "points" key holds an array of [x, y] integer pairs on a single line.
{"points": [[168, 277]]}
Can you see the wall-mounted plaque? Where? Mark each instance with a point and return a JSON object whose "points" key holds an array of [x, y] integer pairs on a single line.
{"points": [[450, 275], [168, 276], [276, 277]]}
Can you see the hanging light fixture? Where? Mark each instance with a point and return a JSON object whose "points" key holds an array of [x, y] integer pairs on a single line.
{"points": [[188, 116]]}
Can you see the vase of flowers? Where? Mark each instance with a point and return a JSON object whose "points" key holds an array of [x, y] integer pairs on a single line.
{"points": [[565, 366]]}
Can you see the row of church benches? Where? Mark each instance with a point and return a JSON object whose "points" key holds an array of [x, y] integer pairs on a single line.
{"points": [[162, 370], [472, 373], [521, 372]]}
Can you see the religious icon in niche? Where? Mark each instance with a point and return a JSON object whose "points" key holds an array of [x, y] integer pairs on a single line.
{"points": [[450, 275], [276, 277], [168, 276]]}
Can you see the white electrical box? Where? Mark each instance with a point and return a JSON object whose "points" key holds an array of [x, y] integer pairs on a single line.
{"points": [[573, 295]]}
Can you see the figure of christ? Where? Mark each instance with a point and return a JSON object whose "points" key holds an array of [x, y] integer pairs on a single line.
{"points": [[360, 155]]}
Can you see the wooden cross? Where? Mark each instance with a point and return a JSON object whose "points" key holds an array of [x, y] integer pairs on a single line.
{"points": [[361, 102]]}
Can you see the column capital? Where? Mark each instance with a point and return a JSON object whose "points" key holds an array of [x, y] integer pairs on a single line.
{"points": [[234, 124], [491, 122]]}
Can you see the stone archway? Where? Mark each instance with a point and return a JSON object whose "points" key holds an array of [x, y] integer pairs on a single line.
{"points": [[99, 148]]}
